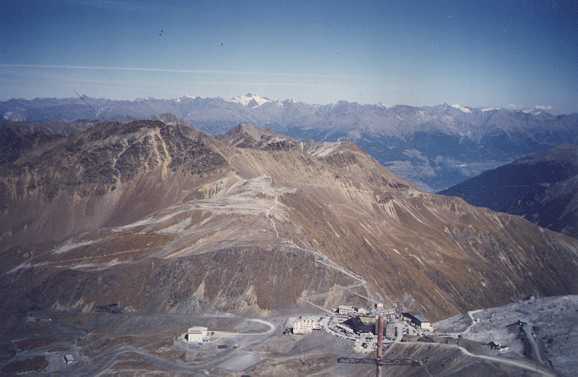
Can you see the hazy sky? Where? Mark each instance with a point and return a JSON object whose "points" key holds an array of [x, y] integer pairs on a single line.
{"points": [[483, 53]]}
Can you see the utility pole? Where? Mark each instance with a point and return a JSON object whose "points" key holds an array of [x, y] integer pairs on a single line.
{"points": [[379, 353], [379, 360]]}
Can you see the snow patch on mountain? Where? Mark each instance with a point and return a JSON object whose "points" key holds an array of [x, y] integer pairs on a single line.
{"points": [[325, 149], [461, 108], [13, 116], [537, 110], [250, 100], [183, 99]]}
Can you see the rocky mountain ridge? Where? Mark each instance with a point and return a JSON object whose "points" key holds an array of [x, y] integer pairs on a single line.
{"points": [[161, 217], [435, 146]]}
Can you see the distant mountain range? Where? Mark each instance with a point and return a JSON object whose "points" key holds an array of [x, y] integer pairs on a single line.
{"points": [[434, 146], [542, 187]]}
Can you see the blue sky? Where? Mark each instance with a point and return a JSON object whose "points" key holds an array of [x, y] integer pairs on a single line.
{"points": [[481, 53]]}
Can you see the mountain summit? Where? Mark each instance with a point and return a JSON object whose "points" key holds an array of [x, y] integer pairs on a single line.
{"points": [[251, 100], [247, 135]]}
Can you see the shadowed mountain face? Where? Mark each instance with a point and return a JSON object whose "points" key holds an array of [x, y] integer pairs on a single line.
{"points": [[434, 146], [543, 188], [163, 218], [17, 139]]}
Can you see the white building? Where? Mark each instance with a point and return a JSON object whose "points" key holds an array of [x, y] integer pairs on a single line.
{"points": [[362, 311], [306, 325], [391, 329], [197, 334], [69, 359], [418, 321], [427, 326], [346, 310]]}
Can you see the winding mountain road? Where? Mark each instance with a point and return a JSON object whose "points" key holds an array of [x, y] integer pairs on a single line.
{"points": [[514, 363]]}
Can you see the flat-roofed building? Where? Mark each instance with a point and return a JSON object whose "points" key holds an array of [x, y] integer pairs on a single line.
{"points": [[346, 310], [391, 330], [69, 359], [419, 321], [197, 334], [306, 325]]}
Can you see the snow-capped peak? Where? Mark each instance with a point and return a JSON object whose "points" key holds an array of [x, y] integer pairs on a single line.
{"points": [[537, 110], [183, 98], [461, 108], [250, 100], [486, 109]]}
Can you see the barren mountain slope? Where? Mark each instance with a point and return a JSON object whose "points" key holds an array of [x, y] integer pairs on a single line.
{"points": [[16, 139], [158, 217], [542, 188]]}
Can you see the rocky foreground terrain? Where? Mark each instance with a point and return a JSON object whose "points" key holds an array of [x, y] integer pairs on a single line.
{"points": [[161, 218], [542, 188], [542, 329]]}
